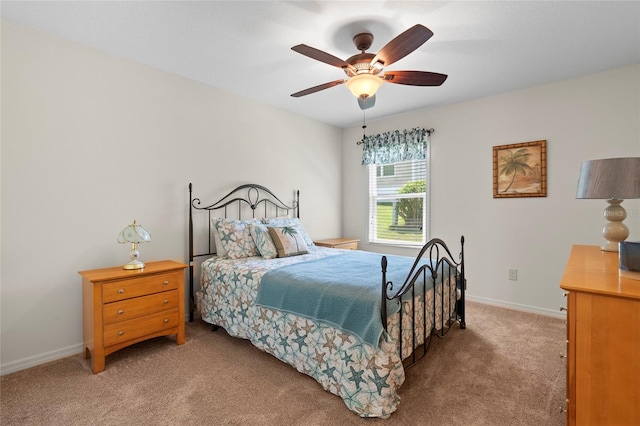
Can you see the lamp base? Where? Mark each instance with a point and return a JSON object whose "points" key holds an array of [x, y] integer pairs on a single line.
{"points": [[611, 246], [614, 231], [134, 264]]}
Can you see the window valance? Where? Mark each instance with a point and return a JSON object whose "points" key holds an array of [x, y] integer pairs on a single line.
{"points": [[395, 146]]}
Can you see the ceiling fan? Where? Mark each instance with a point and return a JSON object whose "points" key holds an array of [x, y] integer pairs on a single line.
{"points": [[364, 70]]}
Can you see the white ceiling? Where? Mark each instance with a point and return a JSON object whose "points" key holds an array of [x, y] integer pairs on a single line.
{"points": [[244, 47]]}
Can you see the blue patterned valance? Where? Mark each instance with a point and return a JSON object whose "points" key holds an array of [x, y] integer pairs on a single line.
{"points": [[395, 146]]}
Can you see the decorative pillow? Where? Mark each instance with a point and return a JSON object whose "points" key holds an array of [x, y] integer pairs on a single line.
{"points": [[220, 251], [289, 221], [263, 241], [288, 240], [235, 237]]}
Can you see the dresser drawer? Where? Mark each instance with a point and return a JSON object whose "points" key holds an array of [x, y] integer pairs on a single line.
{"points": [[139, 306], [139, 327], [140, 286]]}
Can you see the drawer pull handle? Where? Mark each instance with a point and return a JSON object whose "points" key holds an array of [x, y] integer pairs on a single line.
{"points": [[120, 333], [165, 301], [165, 283], [166, 320], [120, 312], [121, 291], [562, 308]]}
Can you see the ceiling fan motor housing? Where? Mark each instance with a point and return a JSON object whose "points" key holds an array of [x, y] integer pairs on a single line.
{"points": [[362, 61], [363, 41], [362, 64]]}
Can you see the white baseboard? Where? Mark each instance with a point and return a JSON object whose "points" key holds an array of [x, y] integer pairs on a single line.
{"points": [[516, 306], [32, 361]]}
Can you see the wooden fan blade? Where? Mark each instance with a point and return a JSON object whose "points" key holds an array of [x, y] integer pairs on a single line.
{"points": [[368, 102], [317, 88], [321, 56], [415, 78], [402, 45]]}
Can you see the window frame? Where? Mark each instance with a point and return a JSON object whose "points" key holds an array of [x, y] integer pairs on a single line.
{"points": [[372, 198]]}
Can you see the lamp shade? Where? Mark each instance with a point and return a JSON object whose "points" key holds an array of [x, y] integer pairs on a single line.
{"points": [[134, 233], [364, 85], [610, 178]]}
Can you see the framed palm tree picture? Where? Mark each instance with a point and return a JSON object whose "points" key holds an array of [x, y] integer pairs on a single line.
{"points": [[520, 170]]}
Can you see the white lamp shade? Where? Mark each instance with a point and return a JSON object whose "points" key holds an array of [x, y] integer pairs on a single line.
{"points": [[134, 233], [364, 85]]}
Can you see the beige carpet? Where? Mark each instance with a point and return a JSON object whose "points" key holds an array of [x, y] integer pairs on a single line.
{"points": [[504, 369]]}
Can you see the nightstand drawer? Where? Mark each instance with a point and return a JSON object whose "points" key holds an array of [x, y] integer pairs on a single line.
{"points": [[347, 246], [140, 286], [139, 306], [139, 327], [339, 243]]}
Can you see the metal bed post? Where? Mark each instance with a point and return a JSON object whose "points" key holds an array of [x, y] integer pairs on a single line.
{"points": [[191, 300], [460, 304]]}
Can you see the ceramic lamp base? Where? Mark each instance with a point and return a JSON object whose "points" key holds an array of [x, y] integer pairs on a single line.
{"points": [[614, 231]]}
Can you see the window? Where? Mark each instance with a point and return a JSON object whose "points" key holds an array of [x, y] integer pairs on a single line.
{"points": [[398, 162], [386, 170], [398, 203]]}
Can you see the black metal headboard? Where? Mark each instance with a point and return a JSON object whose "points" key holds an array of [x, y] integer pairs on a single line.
{"points": [[244, 201]]}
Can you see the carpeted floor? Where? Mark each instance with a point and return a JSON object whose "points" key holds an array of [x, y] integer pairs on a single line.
{"points": [[504, 369]]}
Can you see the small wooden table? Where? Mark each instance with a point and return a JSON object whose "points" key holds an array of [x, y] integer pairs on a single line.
{"points": [[341, 243], [121, 307]]}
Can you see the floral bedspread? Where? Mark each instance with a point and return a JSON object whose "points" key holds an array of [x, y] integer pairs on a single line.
{"points": [[366, 378]]}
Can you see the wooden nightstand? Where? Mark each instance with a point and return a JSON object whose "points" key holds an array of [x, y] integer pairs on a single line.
{"points": [[341, 243], [122, 307]]}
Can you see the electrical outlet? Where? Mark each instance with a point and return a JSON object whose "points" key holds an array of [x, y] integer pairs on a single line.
{"points": [[513, 274]]}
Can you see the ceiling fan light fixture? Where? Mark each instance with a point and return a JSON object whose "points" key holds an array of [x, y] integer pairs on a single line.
{"points": [[364, 85]]}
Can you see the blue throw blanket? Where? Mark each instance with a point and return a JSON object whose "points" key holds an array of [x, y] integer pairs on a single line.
{"points": [[343, 290]]}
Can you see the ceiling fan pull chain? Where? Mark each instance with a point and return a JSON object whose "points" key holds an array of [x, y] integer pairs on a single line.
{"points": [[364, 126]]}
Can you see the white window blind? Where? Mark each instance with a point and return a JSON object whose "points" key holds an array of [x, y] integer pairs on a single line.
{"points": [[398, 202]]}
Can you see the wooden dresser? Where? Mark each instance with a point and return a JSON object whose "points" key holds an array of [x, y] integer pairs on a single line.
{"points": [[341, 243], [603, 340], [122, 307]]}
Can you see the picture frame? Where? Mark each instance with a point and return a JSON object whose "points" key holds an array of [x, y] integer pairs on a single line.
{"points": [[520, 170]]}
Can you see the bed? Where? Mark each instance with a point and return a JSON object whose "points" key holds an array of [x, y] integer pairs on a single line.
{"points": [[352, 320]]}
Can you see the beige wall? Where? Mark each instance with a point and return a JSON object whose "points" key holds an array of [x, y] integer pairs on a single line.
{"points": [[596, 116], [91, 142]]}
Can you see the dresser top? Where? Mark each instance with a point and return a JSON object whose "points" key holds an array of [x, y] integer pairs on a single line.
{"points": [[592, 270], [117, 272]]}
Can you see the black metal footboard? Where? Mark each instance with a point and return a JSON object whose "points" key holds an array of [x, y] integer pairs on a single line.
{"points": [[439, 263]]}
